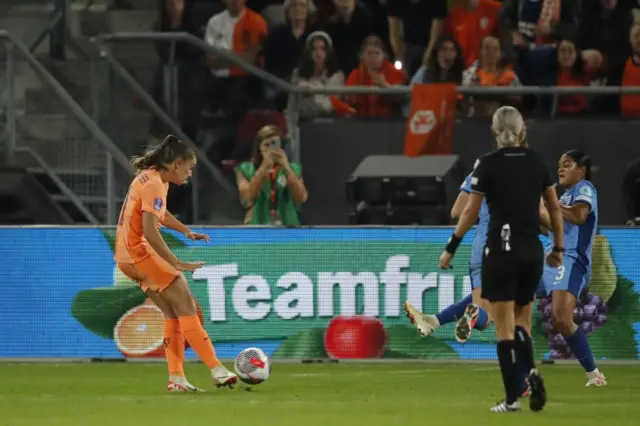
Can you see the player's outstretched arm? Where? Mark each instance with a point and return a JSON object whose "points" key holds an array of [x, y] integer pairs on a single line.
{"points": [[576, 214], [170, 221]]}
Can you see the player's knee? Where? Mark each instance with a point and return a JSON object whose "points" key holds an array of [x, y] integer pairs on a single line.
{"points": [[563, 323]]}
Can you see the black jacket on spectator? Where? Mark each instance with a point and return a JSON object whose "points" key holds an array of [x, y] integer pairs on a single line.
{"points": [[607, 33], [348, 37], [567, 28], [282, 50]]}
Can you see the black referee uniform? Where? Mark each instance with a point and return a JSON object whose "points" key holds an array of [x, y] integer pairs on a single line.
{"points": [[512, 180]]}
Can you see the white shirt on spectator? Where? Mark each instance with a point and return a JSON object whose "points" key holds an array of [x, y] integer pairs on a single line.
{"points": [[220, 34]]}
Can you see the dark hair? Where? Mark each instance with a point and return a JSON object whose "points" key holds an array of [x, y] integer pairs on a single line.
{"points": [[581, 160], [169, 150], [434, 70], [306, 66], [577, 70]]}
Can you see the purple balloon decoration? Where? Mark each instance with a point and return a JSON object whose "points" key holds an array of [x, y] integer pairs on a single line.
{"points": [[547, 311], [589, 312], [555, 354], [600, 320], [558, 340], [587, 327], [589, 299], [542, 303], [577, 315], [604, 308], [597, 301]]}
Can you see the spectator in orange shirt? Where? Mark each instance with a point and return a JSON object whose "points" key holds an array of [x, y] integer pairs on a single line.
{"points": [[470, 21], [624, 71], [490, 70], [242, 31], [375, 70]]}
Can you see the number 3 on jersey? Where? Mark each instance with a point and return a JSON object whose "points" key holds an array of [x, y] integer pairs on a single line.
{"points": [[560, 274]]}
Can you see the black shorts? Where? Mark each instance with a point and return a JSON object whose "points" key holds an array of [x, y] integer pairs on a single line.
{"points": [[512, 276]]}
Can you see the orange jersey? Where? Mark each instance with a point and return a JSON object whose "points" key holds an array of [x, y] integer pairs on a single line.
{"points": [[147, 193]]}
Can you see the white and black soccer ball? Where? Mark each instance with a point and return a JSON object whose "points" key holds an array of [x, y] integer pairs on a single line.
{"points": [[253, 366]]}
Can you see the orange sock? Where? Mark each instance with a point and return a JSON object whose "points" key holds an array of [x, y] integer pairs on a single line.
{"points": [[174, 347], [199, 340]]}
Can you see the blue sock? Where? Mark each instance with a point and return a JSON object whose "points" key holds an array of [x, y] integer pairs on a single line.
{"points": [[580, 347], [482, 319], [454, 312]]}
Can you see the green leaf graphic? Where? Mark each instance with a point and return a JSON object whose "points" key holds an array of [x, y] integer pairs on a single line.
{"points": [[99, 309], [110, 236], [624, 308], [306, 344], [406, 341], [624, 299]]}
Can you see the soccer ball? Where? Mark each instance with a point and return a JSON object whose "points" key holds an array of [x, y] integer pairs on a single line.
{"points": [[253, 366]]}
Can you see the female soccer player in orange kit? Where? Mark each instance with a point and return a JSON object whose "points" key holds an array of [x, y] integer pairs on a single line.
{"points": [[143, 255]]}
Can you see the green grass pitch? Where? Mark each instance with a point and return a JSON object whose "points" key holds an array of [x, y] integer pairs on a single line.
{"points": [[122, 394]]}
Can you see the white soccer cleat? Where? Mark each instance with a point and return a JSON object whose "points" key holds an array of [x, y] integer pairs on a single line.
{"points": [[465, 325], [595, 379], [503, 407], [425, 324], [181, 386], [223, 377]]}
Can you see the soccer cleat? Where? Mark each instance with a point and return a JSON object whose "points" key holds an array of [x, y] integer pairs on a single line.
{"points": [[173, 386], [595, 379], [465, 325], [425, 324], [503, 407], [223, 377], [538, 397]]}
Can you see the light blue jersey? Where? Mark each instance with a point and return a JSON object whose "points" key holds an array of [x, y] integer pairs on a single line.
{"points": [[574, 274], [477, 249]]}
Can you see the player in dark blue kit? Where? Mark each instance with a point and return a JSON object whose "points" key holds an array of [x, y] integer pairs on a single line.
{"points": [[472, 311], [579, 207]]}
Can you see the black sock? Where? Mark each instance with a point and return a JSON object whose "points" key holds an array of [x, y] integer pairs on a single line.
{"points": [[508, 367], [524, 348]]}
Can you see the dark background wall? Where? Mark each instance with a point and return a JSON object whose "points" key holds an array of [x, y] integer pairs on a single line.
{"points": [[332, 149]]}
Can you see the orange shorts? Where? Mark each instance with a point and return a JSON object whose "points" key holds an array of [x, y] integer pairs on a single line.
{"points": [[153, 273]]}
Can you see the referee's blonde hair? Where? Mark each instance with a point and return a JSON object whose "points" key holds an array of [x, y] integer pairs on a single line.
{"points": [[508, 127]]}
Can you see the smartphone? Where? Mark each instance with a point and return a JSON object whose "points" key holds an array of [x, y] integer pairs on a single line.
{"points": [[275, 145]]}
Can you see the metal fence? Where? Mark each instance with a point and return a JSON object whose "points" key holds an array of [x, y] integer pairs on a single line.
{"points": [[297, 92], [59, 141]]}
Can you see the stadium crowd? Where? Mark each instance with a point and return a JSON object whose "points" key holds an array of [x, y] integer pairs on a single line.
{"points": [[316, 43]]}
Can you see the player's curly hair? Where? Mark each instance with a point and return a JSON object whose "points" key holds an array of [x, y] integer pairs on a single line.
{"points": [[169, 150]]}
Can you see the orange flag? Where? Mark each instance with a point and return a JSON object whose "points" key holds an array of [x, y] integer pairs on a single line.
{"points": [[430, 124]]}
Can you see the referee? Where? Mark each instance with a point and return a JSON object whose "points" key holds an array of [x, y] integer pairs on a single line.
{"points": [[512, 178]]}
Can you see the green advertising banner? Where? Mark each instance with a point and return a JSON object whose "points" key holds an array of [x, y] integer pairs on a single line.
{"points": [[304, 293]]}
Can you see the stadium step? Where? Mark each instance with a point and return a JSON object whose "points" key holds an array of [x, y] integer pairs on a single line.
{"points": [[88, 185]]}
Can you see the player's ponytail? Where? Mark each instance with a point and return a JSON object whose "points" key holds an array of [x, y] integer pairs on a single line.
{"points": [[508, 127], [582, 160], [169, 150]]}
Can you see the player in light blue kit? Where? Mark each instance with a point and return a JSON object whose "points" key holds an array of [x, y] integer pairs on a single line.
{"points": [[579, 206], [472, 311]]}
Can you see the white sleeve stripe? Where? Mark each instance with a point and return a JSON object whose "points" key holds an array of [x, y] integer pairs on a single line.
{"points": [[475, 191], [585, 199]]}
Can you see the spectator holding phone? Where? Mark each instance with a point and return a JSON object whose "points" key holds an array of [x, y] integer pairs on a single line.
{"points": [[271, 188]]}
